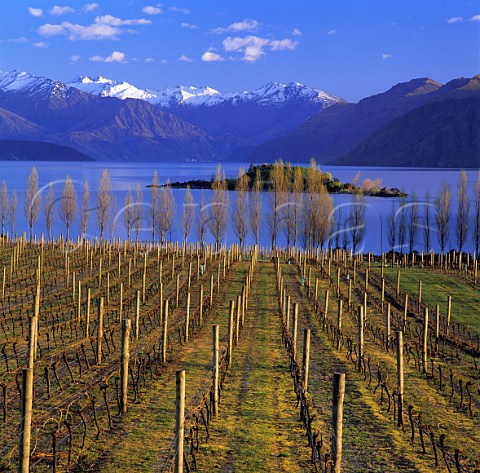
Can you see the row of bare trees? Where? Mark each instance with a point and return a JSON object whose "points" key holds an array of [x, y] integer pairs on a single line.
{"points": [[299, 206], [404, 224]]}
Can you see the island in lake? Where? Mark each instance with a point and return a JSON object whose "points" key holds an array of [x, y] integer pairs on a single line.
{"points": [[333, 185]]}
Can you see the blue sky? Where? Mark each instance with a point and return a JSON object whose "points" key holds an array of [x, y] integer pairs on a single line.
{"points": [[349, 48]]}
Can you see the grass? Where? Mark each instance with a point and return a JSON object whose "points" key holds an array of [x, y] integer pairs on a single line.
{"points": [[436, 288]]}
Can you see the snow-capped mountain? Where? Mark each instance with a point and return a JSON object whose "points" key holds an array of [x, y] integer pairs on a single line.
{"points": [[270, 94]]}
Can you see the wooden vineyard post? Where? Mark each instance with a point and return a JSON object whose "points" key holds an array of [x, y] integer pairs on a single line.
{"points": [[425, 340], [337, 420], [338, 282], [200, 306], [126, 328], [398, 283], [137, 316], [365, 296], [100, 330], [366, 279], [340, 313], [238, 319], [100, 273], [161, 301], [306, 357], [437, 326], [294, 328], [130, 273], [79, 299], [25, 421], [230, 333], [144, 279], [177, 290], [287, 324], [399, 339], [316, 289], [120, 304], [165, 332], [187, 317], [383, 293], [360, 337], [387, 327], [3, 281], [405, 312], [211, 291], [349, 293], [325, 309], [449, 314], [419, 296], [32, 325], [215, 333], [87, 314], [179, 420]]}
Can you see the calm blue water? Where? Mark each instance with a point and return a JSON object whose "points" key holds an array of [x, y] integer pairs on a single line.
{"points": [[122, 174]]}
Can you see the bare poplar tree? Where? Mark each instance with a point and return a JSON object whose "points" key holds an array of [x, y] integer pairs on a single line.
{"points": [[443, 212], [476, 220], [412, 222], [104, 203], [357, 220], [201, 220], [166, 212], [154, 203], [188, 215], [338, 227], [255, 210], [240, 209], [392, 228], [137, 222], [276, 199], [48, 210], [128, 214], [287, 212], [12, 211], [218, 209], [298, 187], [33, 200], [324, 221], [461, 229], [427, 224], [68, 205], [3, 205], [402, 224], [85, 212]]}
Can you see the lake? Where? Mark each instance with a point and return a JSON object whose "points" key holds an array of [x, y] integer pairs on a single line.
{"points": [[124, 174]]}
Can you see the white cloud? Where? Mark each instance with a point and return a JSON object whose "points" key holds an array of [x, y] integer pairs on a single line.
{"points": [[387, 56], [104, 27], [281, 44], [253, 47], [185, 11], [184, 58], [455, 19], [41, 45], [116, 56], [19, 40], [296, 32], [209, 56], [149, 10], [89, 7], [75, 58], [188, 26], [115, 21], [149, 59], [244, 25], [475, 18], [331, 32], [35, 11], [58, 11]]}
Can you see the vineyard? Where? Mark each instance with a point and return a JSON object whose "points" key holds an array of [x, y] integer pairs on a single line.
{"points": [[134, 357]]}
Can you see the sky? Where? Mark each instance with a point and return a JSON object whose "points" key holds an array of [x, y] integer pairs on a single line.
{"points": [[349, 48]]}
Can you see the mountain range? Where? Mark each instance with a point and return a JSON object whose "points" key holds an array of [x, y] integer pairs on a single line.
{"points": [[417, 123]]}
